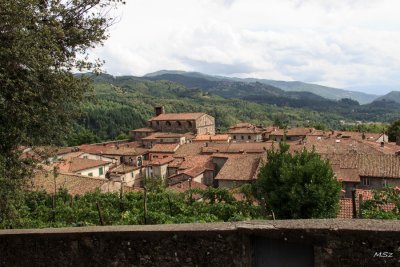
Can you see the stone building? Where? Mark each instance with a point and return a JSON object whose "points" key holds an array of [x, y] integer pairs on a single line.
{"points": [[246, 132], [196, 123]]}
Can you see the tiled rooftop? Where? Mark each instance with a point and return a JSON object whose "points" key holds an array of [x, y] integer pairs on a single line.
{"points": [[177, 116]]}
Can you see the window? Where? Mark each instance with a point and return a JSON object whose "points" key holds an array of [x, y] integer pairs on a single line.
{"points": [[168, 123], [85, 157], [101, 171], [249, 137], [189, 123], [179, 123], [132, 175], [234, 137], [366, 181], [90, 174], [158, 123], [242, 137], [155, 157]]}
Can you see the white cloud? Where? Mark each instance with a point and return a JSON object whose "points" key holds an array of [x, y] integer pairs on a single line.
{"points": [[343, 43]]}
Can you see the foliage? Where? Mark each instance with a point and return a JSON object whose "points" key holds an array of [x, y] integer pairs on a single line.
{"points": [[298, 186], [41, 42], [384, 205], [366, 128], [81, 136], [394, 131], [115, 209]]}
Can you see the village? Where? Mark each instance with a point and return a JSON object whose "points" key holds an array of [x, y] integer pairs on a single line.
{"points": [[184, 152]]}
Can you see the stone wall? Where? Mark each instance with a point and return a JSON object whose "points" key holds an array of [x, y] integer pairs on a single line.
{"points": [[289, 243]]}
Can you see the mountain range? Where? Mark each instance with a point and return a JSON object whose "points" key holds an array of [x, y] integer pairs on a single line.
{"points": [[200, 80]]}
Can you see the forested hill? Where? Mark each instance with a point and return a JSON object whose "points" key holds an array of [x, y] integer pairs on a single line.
{"points": [[202, 80], [392, 96], [119, 104]]}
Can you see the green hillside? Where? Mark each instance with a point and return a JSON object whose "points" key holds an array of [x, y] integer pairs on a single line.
{"points": [[119, 104], [392, 96]]}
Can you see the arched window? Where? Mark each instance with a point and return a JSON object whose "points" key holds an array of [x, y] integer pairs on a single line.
{"points": [[189, 123], [168, 123], [179, 123]]}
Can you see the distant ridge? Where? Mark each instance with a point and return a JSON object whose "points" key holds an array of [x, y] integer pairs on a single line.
{"points": [[292, 86], [391, 96]]}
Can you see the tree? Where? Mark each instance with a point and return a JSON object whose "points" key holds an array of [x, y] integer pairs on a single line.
{"points": [[394, 131], [41, 43], [297, 186]]}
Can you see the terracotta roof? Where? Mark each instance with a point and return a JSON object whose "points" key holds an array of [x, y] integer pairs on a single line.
{"points": [[346, 205], [293, 132], [184, 186], [239, 168], [77, 164], [346, 175], [165, 148], [124, 168], [346, 209], [124, 149], [159, 135], [193, 165], [386, 166], [177, 116], [157, 162], [251, 147], [75, 184], [209, 137], [245, 128], [189, 149], [72, 155]]}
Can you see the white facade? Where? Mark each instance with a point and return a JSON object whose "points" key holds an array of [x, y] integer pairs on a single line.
{"points": [[99, 171]]}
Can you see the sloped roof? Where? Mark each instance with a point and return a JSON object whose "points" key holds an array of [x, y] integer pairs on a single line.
{"points": [[164, 148], [210, 137], [78, 164], [75, 184], [370, 165], [299, 131], [251, 147], [177, 116], [159, 135], [186, 185], [239, 168]]}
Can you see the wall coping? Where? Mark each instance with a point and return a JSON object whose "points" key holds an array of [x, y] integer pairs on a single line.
{"points": [[354, 225]]}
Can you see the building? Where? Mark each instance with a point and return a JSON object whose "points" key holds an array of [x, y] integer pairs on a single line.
{"points": [[86, 167], [196, 123], [292, 134], [157, 168], [138, 134], [163, 138], [212, 138], [236, 170], [246, 132], [159, 151]]}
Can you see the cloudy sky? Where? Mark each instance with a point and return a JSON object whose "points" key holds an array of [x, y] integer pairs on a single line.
{"points": [[353, 44]]}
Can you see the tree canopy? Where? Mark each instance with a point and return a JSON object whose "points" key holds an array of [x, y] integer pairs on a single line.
{"points": [[41, 43], [394, 131], [298, 186]]}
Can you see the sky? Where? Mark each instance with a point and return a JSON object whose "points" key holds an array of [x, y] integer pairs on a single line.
{"points": [[349, 44]]}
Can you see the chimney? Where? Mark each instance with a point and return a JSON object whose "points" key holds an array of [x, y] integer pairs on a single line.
{"points": [[159, 110]]}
